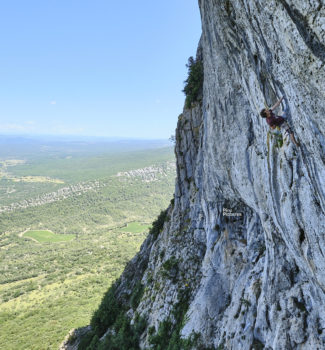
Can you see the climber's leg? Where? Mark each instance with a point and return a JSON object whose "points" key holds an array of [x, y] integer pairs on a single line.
{"points": [[288, 131], [292, 136]]}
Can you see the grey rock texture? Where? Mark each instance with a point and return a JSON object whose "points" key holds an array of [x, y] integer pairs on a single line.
{"points": [[253, 53], [246, 229], [72, 340]]}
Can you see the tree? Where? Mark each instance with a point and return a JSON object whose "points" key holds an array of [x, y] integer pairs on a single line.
{"points": [[194, 82]]}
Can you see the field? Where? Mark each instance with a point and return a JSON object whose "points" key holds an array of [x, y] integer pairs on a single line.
{"points": [[135, 227], [42, 236], [104, 197]]}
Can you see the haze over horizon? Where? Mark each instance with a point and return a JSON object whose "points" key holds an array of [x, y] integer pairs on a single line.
{"points": [[95, 69]]}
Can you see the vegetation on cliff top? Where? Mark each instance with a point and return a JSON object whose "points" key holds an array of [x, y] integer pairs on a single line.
{"points": [[194, 82]]}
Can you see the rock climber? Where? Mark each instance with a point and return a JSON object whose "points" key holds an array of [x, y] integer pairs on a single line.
{"points": [[275, 120]]}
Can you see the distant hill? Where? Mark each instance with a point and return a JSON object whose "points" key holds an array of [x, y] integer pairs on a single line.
{"points": [[23, 146]]}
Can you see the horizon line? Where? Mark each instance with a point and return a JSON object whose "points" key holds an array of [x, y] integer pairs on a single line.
{"points": [[84, 136]]}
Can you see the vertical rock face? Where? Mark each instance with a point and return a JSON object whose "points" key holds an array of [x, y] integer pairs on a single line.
{"points": [[263, 275], [244, 238], [253, 53]]}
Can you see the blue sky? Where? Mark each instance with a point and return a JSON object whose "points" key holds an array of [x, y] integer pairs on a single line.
{"points": [[95, 67]]}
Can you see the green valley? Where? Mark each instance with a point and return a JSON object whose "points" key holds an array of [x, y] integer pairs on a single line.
{"points": [[72, 214]]}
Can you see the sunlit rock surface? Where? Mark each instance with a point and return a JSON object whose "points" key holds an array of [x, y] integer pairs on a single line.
{"points": [[246, 230]]}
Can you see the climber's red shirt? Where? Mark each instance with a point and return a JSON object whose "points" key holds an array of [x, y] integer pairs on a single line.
{"points": [[275, 120]]}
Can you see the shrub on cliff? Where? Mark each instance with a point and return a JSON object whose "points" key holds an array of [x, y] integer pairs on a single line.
{"points": [[106, 315], [168, 335], [158, 224], [112, 315], [194, 82]]}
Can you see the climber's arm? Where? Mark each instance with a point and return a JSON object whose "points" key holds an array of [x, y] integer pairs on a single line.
{"points": [[277, 104]]}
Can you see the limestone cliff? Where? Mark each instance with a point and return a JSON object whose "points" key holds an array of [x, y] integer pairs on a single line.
{"points": [[239, 263]]}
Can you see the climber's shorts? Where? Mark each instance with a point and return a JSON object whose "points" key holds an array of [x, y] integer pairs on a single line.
{"points": [[285, 124], [286, 127]]}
